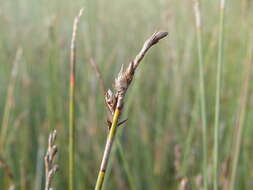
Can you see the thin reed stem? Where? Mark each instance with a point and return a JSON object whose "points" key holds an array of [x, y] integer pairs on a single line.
{"points": [[108, 147], [125, 165], [115, 101], [98, 75], [118, 143], [217, 101], [9, 100], [6, 117], [202, 89], [240, 120], [72, 104]]}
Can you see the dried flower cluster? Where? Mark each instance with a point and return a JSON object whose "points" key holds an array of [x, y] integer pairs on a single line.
{"points": [[125, 76], [114, 101], [50, 167]]}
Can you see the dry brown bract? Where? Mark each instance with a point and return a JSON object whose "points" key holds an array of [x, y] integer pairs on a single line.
{"points": [[125, 76]]}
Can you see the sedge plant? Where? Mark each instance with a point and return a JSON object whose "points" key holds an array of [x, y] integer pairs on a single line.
{"points": [[115, 101]]}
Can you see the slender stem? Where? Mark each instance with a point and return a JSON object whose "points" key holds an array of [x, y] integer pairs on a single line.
{"points": [[108, 148], [202, 89], [122, 82], [72, 104], [125, 165], [217, 102], [71, 128], [241, 117], [189, 138], [118, 143], [9, 100]]}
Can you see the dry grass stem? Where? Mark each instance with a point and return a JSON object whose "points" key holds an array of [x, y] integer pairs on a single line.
{"points": [[73, 39], [98, 75], [50, 166]]}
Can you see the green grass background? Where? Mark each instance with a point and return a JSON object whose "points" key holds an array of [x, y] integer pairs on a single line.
{"points": [[162, 104]]}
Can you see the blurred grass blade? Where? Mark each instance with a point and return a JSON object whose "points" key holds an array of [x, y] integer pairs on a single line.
{"points": [[217, 101], [126, 165], [10, 99], [201, 88], [241, 116]]}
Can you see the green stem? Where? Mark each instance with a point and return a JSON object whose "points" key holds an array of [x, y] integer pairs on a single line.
{"points": [[107, 151], [72, 130], [125, 165], [72, 127], [9, 100], [202, 91], [241, 118], [217, 102]]}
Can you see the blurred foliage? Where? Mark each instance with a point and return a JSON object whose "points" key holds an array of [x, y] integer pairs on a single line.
{"points": [[162, 104]]}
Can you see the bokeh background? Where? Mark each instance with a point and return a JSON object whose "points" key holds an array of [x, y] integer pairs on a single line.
{"points": [[161, 143]]}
